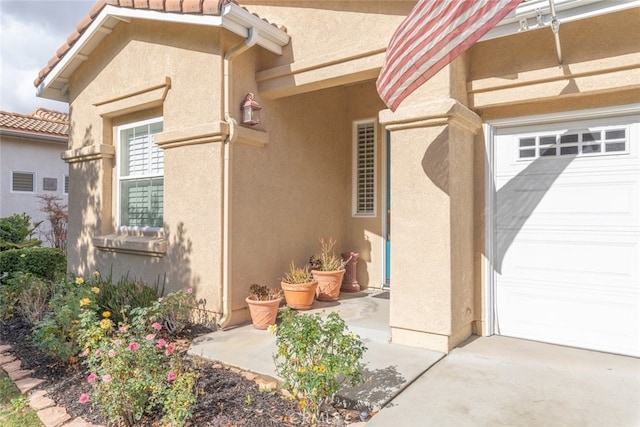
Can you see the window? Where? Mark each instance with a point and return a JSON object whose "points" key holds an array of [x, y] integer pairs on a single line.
{"points": [[23, 182], [66, 184], [140, 175], [590, 143], [364, 168]]}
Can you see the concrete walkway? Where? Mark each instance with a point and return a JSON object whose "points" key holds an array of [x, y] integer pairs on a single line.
{"points": [[389, 368], [487, 381], [499, 381]]}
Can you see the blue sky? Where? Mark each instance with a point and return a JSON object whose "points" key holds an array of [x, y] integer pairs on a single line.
{"points": [[30, 34]]}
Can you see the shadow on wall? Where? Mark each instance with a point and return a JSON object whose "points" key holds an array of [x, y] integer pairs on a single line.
{"points": [[517, 199], [175, 265], [514, 202], [435, 161]]}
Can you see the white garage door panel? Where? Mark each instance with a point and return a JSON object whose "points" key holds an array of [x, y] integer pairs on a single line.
{"points": [[567, 240], [568, 316], [563, 257], [597, 200]]}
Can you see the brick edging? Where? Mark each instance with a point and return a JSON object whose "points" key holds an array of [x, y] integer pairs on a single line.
{"points": [[50, 415]]}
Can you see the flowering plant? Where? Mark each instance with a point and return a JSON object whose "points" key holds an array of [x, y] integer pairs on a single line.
{"points": [[315, 356], [133, 372]]}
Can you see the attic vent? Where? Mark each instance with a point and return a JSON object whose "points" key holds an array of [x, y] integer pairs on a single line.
{"points": [[23, 182], [364, 167]]}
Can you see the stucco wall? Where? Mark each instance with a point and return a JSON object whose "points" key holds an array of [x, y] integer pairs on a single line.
{"points": [[520, 75], [41, 158], [134, 58]]}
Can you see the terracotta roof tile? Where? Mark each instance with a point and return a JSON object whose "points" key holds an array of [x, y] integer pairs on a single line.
{"points": [[41, 121], [204, 7]]}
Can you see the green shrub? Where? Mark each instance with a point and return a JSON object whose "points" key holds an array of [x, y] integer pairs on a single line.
{"points": [[57, 333], [315, 356], [16, 232], [123, 296], [48, 263], [33, 295]]}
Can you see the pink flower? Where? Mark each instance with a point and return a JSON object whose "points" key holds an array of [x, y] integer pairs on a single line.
{"points": [[157, 326], [170, 349], [189, 290], [171, 376], [84, 398], [160, 299], [123, 329], [92, 377], [106, 378], [117, 342], [99, 352], [150, 337], [133, 346], [112, 353], [161, 343]]}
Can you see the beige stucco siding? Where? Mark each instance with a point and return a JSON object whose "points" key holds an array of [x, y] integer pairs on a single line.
{"points": [[520, 74], [134, 58]]}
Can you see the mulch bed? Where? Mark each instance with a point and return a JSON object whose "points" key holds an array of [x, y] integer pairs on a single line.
{"points": [[225, 398]]}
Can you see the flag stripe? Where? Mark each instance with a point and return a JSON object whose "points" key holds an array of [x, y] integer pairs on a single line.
{"points": [[433, 35]]}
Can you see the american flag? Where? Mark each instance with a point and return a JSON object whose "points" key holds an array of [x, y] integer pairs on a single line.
{"points": [[430, 37]]}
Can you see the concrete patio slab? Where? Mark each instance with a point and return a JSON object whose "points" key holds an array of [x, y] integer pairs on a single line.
{"points": [[389, 368], [499, 381]]}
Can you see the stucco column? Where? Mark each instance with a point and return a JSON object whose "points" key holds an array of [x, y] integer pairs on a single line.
{"points": [[431, 223]]}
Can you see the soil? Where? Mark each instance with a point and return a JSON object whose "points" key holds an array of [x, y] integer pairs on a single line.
{"points": [[225, 397]]}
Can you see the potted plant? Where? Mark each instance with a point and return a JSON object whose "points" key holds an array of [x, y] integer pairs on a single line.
{"points": [[299, 287], [263, 305], [328, 269]]}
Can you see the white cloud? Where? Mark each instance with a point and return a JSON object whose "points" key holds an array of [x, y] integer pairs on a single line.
{"points": [[30, 34]]}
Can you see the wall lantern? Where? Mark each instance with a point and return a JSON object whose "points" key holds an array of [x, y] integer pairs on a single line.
{"points": [[250, 111]]}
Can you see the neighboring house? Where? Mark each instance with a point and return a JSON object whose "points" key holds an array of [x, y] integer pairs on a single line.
{"points": [[509, 181], [31, 164]]}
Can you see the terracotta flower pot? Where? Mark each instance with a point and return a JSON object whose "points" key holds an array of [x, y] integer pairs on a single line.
{"points": [[263, 313], [329, 283], [299, 296]]}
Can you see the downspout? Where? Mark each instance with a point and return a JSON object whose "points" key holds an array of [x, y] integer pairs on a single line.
{"points": [[225, 296]]}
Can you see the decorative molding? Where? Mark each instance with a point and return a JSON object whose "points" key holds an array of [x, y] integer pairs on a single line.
{"points": [[91, 152], [137, 100], [438, 113], [154, 246], [213, 132]]}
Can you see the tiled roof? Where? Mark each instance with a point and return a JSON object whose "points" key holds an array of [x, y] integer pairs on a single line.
{"points": [[40, 121], [194, 7]]}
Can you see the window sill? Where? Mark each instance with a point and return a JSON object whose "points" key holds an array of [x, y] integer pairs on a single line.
{"points": [[153, 244]]}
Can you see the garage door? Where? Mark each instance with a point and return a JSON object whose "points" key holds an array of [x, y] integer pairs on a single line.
{"points": [[567, 234]]}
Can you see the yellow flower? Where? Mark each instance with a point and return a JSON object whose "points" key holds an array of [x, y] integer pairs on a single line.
{"points": [[302, 369], [96, 274], [106, 314], [272, 328], [302, 403], [95, 290], [105, 324], [84, 301], [79, 281]]}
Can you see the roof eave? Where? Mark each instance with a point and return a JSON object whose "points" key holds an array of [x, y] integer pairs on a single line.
{"points": [[524, 17], [34, 135], [233, 18]]}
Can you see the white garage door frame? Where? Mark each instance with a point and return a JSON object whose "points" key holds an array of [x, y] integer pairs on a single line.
{"points": [[490, 130]]}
